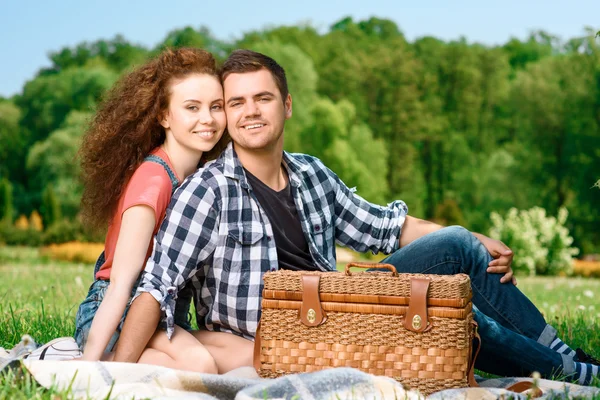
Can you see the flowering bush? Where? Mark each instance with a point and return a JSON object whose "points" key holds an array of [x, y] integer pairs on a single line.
{"points": [[540, 243], [74, 252]]}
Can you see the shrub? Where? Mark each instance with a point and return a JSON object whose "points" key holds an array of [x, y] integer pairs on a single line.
{"points": [[74, 252], [65, 231], [14, 236], [540, 243], [586, 268], [22, 223], [35, 221]]}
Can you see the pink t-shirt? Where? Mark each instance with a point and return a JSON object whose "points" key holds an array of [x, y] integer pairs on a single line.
{"points": [[149, 185]]}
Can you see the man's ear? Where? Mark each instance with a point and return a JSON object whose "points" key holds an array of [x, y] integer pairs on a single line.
{"points": [[288, 106]]}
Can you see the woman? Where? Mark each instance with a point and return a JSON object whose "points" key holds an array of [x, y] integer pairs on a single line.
{"points": [[153, 130]]}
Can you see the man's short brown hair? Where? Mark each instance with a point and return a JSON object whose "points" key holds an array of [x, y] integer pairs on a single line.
{"points": [[242, 61]]}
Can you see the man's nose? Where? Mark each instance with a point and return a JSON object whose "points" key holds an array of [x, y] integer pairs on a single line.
{"points": [[251, 109]]}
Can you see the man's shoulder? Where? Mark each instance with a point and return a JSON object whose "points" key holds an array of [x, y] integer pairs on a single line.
{"points": [[306, 163], [210, 175]]}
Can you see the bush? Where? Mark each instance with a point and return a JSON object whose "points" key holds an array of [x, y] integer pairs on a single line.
{"points": [[74, 252], [14, 236], [540, 243]]}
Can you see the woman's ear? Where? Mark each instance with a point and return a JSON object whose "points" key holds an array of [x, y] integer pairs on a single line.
{"points": [[163, 120]]}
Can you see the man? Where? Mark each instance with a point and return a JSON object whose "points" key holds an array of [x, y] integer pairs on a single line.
{"points": [[258, 208]]}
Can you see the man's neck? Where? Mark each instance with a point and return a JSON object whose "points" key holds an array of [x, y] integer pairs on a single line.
{"points": [[265, 164]]}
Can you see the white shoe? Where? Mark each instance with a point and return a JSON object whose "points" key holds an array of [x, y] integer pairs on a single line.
{"points": [[64, 348]]}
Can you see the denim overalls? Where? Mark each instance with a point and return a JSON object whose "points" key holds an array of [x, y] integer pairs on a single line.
{"points": [[88, 308]]}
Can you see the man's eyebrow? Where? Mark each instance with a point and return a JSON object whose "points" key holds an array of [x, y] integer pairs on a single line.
{"points": [[238, 98], [265, 93]]}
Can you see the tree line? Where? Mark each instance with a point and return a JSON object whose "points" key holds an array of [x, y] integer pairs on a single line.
{"points": [[456, 129]]}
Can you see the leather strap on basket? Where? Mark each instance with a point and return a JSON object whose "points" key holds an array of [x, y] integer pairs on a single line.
{"points": [[518, 387], [257, 349], [475, 352], [311, 312], [417, 319]]}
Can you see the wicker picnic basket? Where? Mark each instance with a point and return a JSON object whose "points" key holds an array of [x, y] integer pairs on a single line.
{"points": [[414, 328]]}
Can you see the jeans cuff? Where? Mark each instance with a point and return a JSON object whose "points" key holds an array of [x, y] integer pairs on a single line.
{"points": [[548, 335], [568, 365]]}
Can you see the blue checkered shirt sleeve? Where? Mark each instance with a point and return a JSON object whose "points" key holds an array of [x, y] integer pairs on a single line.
{"points": [[186, 239], [364, 226]]}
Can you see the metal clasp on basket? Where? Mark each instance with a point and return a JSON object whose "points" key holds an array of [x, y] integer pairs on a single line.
{"points": [[311, 312], [417, 319]]}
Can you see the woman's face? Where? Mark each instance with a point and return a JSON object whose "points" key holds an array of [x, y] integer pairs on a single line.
{"points": [[195, 118]]}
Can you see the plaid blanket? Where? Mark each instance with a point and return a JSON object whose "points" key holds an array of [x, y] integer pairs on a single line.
{"points": [[100, 380]]}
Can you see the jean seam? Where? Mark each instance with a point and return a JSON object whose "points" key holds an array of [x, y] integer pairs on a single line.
{"points": [[438, 264], [515, 327]]}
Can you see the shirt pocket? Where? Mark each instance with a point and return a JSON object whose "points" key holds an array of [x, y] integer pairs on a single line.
{"points": [[244, 245], [320, 229]]}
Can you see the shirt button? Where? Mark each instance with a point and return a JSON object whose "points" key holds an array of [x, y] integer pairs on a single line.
{"points": [[268, 238], [317, 228], [273, 269]]}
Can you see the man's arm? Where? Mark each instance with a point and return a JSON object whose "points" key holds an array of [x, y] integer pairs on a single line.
{"points": [[415, 228], [186, 238], [140, 324]]}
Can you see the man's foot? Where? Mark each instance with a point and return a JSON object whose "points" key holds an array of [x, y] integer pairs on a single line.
{"points": [[585, 373], [583, 357], [64, 348]]}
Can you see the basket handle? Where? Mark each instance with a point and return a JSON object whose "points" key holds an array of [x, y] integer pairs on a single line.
{"points": [[365, 265]]}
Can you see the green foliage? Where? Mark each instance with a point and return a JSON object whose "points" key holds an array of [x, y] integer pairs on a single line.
{"points": [[541, 244], [53, 162], [445, 126], [11, 235], [13, 143], [6, 201], [50, 207]]}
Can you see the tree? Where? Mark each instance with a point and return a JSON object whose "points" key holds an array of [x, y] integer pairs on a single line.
{"points": [[51, 162], [13, 142], [6, 201], [50, 207]]}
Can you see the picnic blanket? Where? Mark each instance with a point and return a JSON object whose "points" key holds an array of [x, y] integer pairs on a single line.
{"points": [[101, 380]]}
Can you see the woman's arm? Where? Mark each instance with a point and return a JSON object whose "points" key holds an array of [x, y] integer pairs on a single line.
{"points": [[137, 226]]}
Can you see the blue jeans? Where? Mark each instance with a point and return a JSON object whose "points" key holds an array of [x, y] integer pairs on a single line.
{"points": [[515, 337], [88, 308]]}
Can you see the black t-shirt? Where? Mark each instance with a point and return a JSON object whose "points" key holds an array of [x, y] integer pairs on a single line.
{"points": [[292, 247]]}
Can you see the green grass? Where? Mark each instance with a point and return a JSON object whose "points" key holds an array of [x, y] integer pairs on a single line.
{"points": [[40, 297]]}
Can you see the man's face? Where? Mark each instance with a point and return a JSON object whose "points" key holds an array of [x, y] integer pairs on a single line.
{"points": [[256, 113]]}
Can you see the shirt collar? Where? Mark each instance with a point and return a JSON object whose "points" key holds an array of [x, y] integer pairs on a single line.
{"points": [[232, 167]]}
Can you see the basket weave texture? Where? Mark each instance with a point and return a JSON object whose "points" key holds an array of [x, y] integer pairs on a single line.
{"points": [[376, 343]]}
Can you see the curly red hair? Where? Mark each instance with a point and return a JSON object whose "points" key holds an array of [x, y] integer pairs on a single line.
{"points": [[125, 128]]}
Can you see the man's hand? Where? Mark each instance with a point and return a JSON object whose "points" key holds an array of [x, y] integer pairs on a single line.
{"points": [[503, 256]]}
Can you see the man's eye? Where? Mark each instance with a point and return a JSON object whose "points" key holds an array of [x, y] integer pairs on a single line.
{"points": [[234, 104], [263, 99]]}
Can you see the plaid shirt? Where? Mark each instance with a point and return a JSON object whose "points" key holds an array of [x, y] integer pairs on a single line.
{"points": [[216, 234]]}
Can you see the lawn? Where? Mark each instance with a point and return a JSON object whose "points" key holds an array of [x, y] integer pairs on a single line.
{"points": [[40, 297]]}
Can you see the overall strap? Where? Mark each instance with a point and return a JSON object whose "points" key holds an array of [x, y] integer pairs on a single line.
{"points": [[174, 182], [156, 159]]}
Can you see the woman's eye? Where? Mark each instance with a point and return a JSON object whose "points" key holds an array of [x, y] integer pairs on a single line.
{"points": [[217, 107], [193, 108]]}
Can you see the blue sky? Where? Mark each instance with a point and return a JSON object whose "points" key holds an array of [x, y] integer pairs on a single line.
{"points": [[29, 30]]}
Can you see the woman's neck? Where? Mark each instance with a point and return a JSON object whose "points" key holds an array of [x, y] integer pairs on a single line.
{"points": [[185, 161]]}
